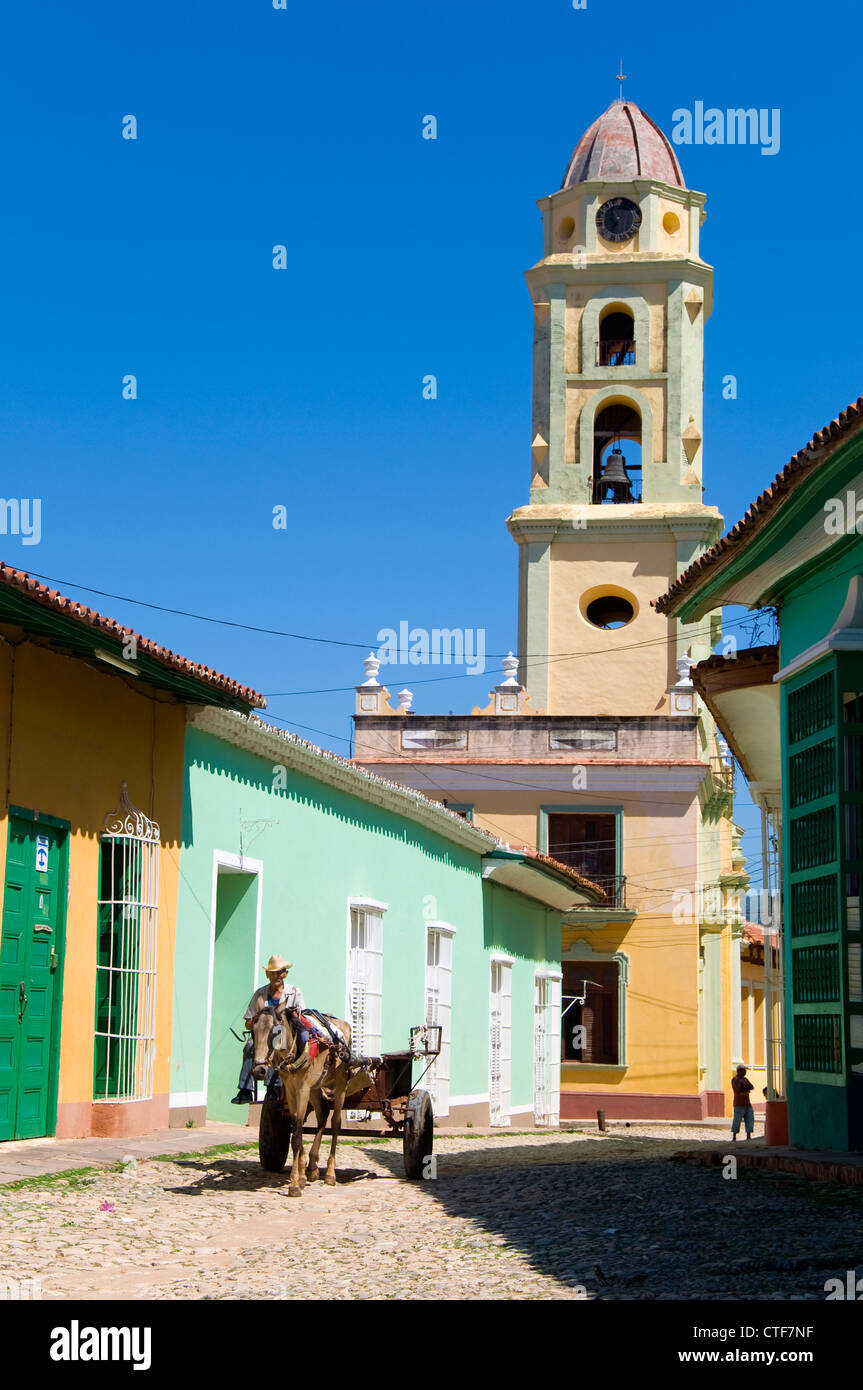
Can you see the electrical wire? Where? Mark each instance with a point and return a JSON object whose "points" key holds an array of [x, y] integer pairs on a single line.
{"points": [[540, 658]]}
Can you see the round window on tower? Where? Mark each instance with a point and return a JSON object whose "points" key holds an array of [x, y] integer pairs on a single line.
{"points": [[566, 228], [608, 608], [671, 223]]}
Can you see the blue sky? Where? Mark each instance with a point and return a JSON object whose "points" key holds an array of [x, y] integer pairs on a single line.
{"points": [[406, 257]]}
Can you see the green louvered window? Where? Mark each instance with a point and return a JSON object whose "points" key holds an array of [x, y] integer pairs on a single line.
{"points": [[816, 975], [818, 1042], [811, 708], [812, 773], [813, 839], [814, 906]]}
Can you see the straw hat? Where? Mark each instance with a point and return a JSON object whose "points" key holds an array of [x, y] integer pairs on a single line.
{"points": [[276, 963]]}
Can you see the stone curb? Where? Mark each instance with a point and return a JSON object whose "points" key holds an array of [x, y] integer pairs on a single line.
{"points": [[813, 1169]]}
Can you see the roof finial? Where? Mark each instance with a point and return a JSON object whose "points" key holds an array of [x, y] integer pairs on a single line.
{"points": [[621, 78]]}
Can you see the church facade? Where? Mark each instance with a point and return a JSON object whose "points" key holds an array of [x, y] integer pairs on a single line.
{"points": [[595, 748]]}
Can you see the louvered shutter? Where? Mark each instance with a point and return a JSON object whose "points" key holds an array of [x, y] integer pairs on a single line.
{"points": [[541, 1099], [500, 1044], [365, 981], [374, 978], [357, 983], [494, 1068], [439, 1011], [506, 1044], [554, 991], [445, 1020]]}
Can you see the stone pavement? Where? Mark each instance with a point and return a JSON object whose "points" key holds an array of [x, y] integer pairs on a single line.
{"points": [[29, 1158], [504, 1216]]}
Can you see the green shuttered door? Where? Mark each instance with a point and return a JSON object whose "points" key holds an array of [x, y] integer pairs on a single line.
{"points": [[31, 948]]}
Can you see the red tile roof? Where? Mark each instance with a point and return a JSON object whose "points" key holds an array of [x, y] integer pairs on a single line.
{"points": [[25, 584], [623, 144], [746, 657], [794, 473], [753, 931], [566, 871]]}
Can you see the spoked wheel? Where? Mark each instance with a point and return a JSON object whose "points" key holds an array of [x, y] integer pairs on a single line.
{"points": [[274, 1135], [418, 1138]]}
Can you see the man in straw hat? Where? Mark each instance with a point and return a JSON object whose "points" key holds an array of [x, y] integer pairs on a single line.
{"points": [[276, 992]]}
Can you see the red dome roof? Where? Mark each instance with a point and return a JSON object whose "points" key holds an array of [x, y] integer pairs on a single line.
{"points": [[622, 144]]}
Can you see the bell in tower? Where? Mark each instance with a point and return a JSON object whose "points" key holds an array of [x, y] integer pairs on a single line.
{"points": [[615, 482]]}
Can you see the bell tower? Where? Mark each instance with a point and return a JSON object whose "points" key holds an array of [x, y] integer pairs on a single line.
{"points": [[620, 299]]}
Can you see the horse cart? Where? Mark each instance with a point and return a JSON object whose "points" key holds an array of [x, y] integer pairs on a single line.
{"points": [[406, 1108]]}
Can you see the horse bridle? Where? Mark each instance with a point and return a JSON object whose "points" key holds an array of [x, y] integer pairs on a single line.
{"points": [[287, 1065]]}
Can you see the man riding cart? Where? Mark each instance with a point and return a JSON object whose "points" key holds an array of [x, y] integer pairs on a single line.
{"points": [[277, 993]]}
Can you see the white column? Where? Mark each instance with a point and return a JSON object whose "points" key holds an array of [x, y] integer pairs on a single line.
{"points": [[736, 999]]}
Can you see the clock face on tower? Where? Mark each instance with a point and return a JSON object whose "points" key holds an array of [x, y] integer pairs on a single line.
{"points": [[618, 219]]}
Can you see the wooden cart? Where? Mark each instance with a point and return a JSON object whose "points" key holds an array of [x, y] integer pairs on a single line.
{"points": [[405, 1107]]}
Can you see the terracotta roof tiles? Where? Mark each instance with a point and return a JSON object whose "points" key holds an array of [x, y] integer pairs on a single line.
{"points": [[791, 476], [58, 603]]}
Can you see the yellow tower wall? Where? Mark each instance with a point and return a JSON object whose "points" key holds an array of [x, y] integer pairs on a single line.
{"points": [[613, 673]]}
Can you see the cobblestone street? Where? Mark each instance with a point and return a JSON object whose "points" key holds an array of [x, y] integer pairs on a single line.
{"points": [[510, 1216]]}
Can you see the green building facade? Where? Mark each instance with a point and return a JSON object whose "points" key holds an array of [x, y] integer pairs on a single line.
{"points": [[394, 911], [800, 552]]}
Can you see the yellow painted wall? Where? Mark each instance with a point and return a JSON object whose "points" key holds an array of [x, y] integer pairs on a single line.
{"points": [[78, 733], [609, 681], [660, 833]]}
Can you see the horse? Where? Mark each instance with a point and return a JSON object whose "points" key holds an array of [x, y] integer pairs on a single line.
{"points": [[315, 1079]]}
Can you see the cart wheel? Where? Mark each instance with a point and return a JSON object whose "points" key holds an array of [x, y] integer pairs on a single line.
{"points": [[274, 1135], [418, 1132]]}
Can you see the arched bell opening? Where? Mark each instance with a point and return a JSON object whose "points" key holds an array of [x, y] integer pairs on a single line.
{"points": [[617, 472], [616, 345]]}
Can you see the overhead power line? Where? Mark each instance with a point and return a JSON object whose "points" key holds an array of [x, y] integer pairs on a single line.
{"points": [[538, 658]]}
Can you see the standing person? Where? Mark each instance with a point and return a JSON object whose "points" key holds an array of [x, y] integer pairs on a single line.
{"points": [[277, 991], [741, 1087]]}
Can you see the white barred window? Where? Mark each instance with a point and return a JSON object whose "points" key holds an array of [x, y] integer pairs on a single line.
{"points": [[125, 1041]]}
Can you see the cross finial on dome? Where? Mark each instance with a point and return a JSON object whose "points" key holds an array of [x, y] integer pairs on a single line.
{"points": [[621, 78]]}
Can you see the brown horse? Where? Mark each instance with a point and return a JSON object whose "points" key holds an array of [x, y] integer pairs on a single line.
{"points": [[318, 1082]]}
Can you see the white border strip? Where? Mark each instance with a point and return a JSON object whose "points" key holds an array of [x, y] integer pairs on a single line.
{"points": [[182, 1098]]}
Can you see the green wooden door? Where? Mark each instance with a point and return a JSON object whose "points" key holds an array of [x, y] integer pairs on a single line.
{"points": [[31, 947]]}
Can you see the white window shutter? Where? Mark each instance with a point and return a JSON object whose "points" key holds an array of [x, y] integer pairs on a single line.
{"points": [[546, 1050], [500, 1043], [541, 1099], [555, 987], [375, 981], [506, 1043], [439, 1011], [365, 981]]}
